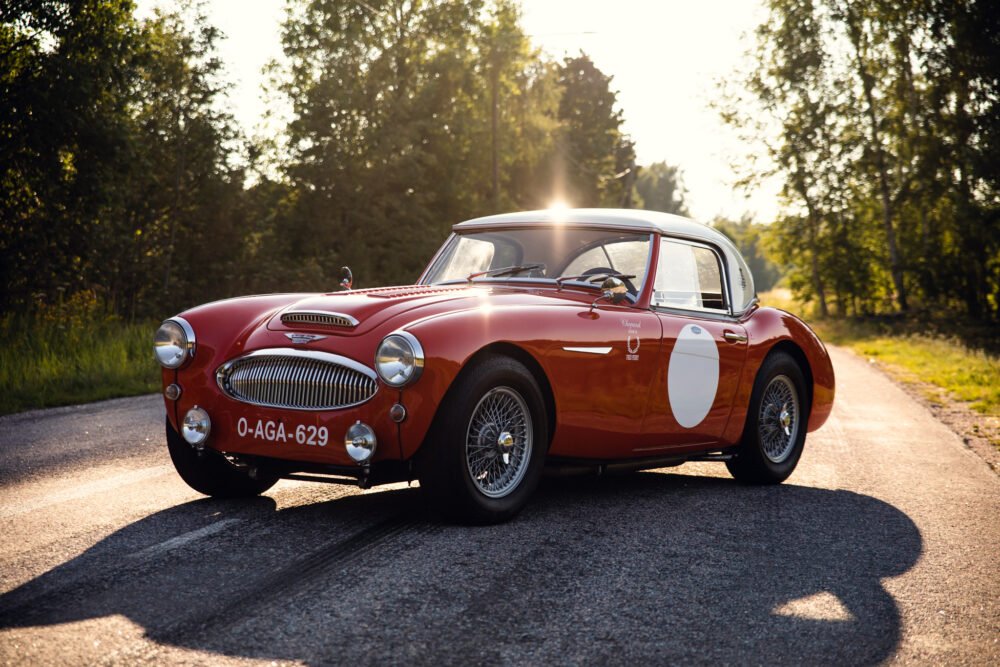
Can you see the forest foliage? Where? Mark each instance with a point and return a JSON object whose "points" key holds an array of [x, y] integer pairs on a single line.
{"points": [[124, 177], [885, 119]]}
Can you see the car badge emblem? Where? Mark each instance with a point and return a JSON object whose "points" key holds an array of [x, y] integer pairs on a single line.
{"points": [[303, 338]]}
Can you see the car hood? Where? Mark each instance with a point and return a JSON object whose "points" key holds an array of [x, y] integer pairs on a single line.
{"points": [[353, 313], [356, 312]]}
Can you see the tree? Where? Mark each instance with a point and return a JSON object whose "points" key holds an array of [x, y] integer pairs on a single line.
{"points": [[750, 239], [883, 115], [66, 71], [185, 201], [115, 157], [660, 188], [590, 137], [407, 116]]}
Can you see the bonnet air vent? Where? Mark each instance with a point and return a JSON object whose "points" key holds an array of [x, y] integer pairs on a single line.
{"points": [[321, 318], [421, 290]]}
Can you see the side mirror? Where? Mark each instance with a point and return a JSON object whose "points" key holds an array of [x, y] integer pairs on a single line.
{"points": [[346, 278], [612, 289]]}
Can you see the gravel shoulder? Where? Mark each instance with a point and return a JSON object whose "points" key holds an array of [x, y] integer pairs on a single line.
{"points": [[979, 432]]}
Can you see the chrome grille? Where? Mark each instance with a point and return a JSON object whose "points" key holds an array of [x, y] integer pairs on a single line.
{"points": [[318, 317], [297, 379]]}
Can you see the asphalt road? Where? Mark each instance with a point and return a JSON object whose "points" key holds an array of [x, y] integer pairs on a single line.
{"points": [[883, 546]]}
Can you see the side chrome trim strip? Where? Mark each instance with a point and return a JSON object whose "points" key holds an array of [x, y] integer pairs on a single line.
{"points": [[589, 350]]}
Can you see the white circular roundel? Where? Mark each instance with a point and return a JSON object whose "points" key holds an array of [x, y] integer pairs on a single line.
{"points": [[692, 375]]}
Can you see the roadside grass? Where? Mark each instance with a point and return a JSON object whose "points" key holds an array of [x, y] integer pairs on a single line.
{"points": [[910, 353], [66, 355]]}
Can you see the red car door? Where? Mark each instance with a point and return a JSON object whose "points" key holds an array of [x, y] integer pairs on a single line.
{"points": [[702, 352]]}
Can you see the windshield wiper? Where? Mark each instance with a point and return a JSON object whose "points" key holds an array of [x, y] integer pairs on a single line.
{"points": [[594, 277], [505, 271]]}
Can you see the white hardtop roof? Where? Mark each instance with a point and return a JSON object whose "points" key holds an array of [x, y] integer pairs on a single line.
{"points": [[625, 219]]}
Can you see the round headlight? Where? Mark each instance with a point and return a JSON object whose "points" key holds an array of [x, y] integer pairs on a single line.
{"points": [[196, 426], [399, 359], [173, 343]]}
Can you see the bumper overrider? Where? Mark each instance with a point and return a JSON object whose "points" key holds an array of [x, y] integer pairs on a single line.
{"points": [[292, 412]]}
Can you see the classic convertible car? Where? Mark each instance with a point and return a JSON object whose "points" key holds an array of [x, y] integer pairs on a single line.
{"points": [[549, 340]]}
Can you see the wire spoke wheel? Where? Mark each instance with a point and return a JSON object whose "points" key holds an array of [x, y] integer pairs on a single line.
{"points": [[498, 442], [778, 419]]}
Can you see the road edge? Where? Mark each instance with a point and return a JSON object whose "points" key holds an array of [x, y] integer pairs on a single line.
{"points": [[956, 415], [36, 413]]}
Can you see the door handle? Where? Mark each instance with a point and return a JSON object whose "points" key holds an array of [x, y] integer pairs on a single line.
{"points": [[734, 337]]}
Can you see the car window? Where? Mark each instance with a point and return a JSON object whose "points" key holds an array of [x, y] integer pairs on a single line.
{"points": [[472, 256], [560, 251], [590, 259], [688, 276], [628, 257]]}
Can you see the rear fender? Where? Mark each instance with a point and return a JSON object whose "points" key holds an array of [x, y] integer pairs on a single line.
{"points": [[770, 330]]}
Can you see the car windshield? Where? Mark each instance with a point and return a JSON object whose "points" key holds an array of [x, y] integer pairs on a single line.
{"points": [[548, 252]]}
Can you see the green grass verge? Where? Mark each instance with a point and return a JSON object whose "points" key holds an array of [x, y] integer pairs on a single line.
{"points": [[944, 361], [48, 360]]}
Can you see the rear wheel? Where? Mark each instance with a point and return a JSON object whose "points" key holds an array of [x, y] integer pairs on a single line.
{"points": [[209, 473], [775, 430], [484, 455]]}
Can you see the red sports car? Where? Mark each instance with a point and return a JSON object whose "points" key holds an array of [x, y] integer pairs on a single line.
{"points": [[580, 339]]}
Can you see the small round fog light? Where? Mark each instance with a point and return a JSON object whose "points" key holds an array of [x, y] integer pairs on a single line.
{"points": [[360, 442], [196, 427], [173, 391]]}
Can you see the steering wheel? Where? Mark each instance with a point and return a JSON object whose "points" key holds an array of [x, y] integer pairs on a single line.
{"points": [[604, 269]]}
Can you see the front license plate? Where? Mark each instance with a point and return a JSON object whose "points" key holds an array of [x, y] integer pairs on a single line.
{"points": [[281, 433]]}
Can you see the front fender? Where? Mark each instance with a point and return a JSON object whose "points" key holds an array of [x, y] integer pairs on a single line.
{"points": [[221, 330], [449, 342]]}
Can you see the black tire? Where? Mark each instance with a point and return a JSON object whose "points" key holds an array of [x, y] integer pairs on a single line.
{"points": [[470, 433], [209, 473], [771, 446]]}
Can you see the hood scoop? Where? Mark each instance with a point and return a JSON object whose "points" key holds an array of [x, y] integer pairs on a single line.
{"points": [[318, 318], [410, 290]]}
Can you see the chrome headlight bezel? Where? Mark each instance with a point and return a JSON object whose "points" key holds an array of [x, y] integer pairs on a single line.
{"points": [[174, 343], [399, 359], [196, 427]]}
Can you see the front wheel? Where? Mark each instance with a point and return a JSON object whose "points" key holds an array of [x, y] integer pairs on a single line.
{"points": [[484, 455], [775, 430], [207, 472]]}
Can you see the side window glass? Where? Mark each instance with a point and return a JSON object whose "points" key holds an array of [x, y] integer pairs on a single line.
{"points": [[688, 277], [709, 279]]}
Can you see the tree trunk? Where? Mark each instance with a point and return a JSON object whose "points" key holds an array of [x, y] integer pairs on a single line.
{"points": [[817, 279], [494, 129], [868, 84]]}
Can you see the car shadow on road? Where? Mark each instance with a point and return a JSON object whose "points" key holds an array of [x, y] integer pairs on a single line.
{"points": [[649, 567]]}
